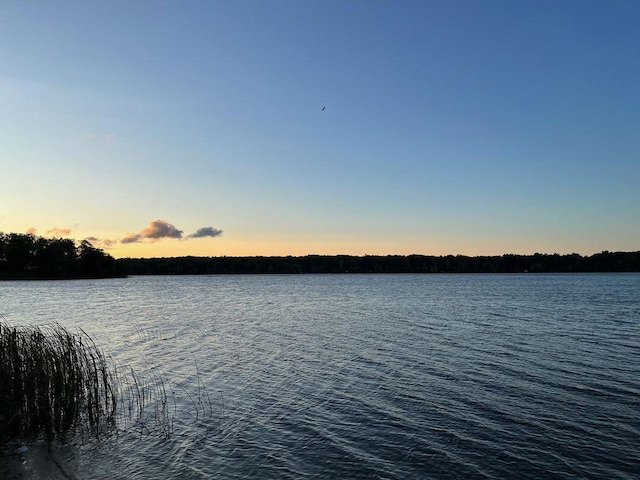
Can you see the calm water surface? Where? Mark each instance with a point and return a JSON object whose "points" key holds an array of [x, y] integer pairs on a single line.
{"points": [[363, 376]]}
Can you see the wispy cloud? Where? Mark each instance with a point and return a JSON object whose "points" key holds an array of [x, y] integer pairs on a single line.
{"points": [[131, 238], [53, 232], [59, 232], [206, 232], [101, 242], [156, 230]]}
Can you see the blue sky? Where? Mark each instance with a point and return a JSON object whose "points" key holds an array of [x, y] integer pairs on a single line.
{"points": [[451, 127]]}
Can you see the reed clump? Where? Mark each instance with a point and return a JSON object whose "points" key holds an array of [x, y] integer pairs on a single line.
{"points": [[52, 382]]}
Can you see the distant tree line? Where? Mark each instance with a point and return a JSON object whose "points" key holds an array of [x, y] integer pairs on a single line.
{"points": [[537, 263], [26, 256]]}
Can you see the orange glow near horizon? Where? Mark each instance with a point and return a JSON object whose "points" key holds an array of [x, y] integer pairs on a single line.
{"points": [[281, 247], [249, 244]]}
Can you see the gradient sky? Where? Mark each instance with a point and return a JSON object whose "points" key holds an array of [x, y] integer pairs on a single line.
{"points": [[451, 127]]}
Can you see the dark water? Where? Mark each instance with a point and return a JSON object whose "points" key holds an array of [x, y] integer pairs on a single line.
{"points": [[398, 376]]}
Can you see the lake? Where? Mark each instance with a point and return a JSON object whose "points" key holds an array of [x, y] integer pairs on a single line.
{"points": [[358, 376]]}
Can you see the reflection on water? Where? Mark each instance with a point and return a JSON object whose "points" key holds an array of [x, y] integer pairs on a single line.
{"points": [[398, 376]]}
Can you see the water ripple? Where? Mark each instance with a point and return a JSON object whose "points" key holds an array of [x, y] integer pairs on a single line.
{"points": [[394, 377]]}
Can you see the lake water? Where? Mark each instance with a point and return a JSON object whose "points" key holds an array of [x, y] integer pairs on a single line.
{"points": [[361, 376]]}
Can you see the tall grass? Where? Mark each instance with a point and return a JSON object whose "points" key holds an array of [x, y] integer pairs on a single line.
{"points": [[52, 382]]}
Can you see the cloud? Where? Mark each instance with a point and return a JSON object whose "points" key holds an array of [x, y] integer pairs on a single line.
{"points": [[100, 242], [156, 230], [206, 232], [59, 232], [131, 238], [53, 232], [161, 229]]}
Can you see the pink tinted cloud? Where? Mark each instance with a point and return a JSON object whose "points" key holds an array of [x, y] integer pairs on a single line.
{"points": [[59, 232], [100, 242], [156, 230]]}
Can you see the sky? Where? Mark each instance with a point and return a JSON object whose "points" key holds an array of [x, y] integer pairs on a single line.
{"points": [[295, 127]]}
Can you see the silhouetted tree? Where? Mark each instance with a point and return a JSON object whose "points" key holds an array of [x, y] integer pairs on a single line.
{"points": [[19, 252], [611, 262], [54, 258], [30, 257], [94, 262]]}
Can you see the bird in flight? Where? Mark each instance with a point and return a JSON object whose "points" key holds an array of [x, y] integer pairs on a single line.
{"points": [[323, 108]]}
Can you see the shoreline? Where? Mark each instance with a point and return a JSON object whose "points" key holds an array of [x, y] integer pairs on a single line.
{"points": [[23, 462]]}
